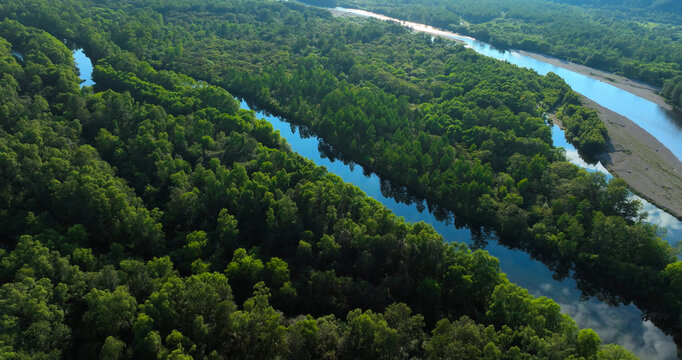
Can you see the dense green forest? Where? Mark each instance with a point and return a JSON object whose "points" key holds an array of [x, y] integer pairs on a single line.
{"points": [[672, 90], [457, 128], [152, 218], [181, 190], [640, 39], [661, 9]]}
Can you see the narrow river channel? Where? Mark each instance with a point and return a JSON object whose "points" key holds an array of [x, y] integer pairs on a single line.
{"points": [[663, 124], [622, 325]]}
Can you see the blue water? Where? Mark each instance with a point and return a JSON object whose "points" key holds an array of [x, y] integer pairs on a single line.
{"points": [[663, 124], [84, 67], [621, 325], [655, 215], [18, 55]]}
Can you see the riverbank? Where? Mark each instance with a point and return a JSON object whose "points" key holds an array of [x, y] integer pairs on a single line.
{"points": [[651, 170], [641, 89]]}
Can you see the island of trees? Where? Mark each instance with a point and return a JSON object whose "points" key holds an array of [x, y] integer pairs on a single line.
{"points": [[165, 222]]}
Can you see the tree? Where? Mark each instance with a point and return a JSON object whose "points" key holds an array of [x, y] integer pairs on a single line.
{"points": [[110, 313], [112, 349], [588, 343]]}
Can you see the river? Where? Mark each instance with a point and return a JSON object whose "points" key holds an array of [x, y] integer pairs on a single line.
{"points": [[663, 124], [84, 66], [655, 215], [18, 55], [622, 325]]}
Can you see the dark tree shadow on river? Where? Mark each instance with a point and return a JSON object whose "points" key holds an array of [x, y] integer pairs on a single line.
{"points": [[601, 278]]}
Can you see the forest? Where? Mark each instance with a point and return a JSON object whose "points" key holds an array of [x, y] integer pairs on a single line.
{"points": [[150, 217], [660, 8], [164, 222], [639, 39]]}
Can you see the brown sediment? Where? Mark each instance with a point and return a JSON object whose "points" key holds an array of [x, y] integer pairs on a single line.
{"points": [[632, 154]]}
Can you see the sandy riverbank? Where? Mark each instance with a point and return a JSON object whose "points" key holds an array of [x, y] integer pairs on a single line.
{"points": [[337, 13], [649, 168], [638, 88], [641, 89]]}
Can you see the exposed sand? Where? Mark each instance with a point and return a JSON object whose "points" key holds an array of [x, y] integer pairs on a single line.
{"points": [[337, 13], [649, 168], [638, 88]]}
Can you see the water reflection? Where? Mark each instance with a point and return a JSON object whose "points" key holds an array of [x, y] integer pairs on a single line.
{"points": [[664, 125], [18, 55], [655, 215], [621, 325], [84, 66]]}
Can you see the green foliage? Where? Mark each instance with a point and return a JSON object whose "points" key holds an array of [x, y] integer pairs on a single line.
{"points": [[638, 38], [588, 343], [122, 205], [466, 132], [585, 128], [112, 349], [672, 91]]}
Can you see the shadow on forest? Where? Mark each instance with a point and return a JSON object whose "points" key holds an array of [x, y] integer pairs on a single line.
{"points": [[593, 278]]}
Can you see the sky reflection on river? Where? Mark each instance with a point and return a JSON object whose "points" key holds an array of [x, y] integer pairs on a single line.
{"points": [[84, 66], [657, 121], [655, 215], [621, 325]]}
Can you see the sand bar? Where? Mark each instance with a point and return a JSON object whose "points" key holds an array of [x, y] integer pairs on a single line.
{"points": [[649, 168]]}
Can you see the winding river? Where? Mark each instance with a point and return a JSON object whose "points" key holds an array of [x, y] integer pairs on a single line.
{"points": [[621, 325], [654, 119]]}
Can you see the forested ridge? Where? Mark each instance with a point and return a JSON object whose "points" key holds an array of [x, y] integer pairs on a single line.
{"points": [[637, 39], [192, 214]]}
